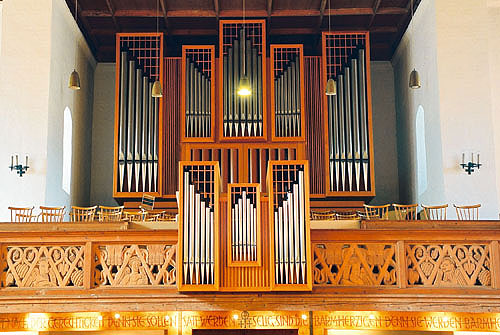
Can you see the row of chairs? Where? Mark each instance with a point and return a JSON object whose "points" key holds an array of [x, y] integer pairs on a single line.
{"points": [[86, 214], [401, 212]]}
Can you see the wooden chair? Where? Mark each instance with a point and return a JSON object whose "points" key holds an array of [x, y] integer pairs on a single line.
{"points": [[134, 215], [110, 214], [346, 216], [377, 212], [434, 212], [323, 215], [405, 212], [82, 213], [21, 214], [470, 212], [51, 214]]}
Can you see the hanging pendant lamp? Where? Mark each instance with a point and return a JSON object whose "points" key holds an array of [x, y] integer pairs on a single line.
{"points": [[331, 85], [156, 91], [414, 79], [414, 82], [74, 80], [244, 87], [74, 77]]}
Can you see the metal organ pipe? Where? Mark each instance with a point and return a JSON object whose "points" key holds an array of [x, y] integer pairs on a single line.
{"points": [[363, 112], [289, 229], [122, 133]]}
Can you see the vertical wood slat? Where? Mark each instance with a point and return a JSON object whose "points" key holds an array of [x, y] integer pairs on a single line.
{"points": [[401, 264], [315, 148], [88, 256], [495, 264], [172, 129]]}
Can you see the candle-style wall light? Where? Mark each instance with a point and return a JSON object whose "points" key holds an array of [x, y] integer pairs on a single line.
{"points": [[469, 166], [19, 168]]}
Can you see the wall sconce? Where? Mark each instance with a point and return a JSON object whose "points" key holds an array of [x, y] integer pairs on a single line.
{"points": [[19, 168], [469, 166]]}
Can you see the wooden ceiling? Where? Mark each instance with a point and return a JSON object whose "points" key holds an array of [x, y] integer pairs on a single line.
{"points": [[288, 21]]}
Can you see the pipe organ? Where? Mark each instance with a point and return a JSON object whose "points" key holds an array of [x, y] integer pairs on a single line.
{"points": [[289, 220], [349, 147], [243, 53], [233, 242], [138, 115], [287, 95], [243, 228], [244, 188], [198, 226], [199, 92]]}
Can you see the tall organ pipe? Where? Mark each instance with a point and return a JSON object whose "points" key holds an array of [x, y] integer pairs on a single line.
{"points": [[130, 125], [363, 112], [122, 134]]}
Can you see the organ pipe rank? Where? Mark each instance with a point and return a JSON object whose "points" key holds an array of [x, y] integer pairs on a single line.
{"points": [[138, 128]]}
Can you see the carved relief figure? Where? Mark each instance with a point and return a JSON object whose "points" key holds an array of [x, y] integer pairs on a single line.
{"points": [[42, 276], [134, 274], [449, 274], [354, 274]]}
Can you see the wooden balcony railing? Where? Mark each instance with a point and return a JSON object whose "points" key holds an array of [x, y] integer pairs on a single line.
{"points": [[372, 266], [88, 259]]}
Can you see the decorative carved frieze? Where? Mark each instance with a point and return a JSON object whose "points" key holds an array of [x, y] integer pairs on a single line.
{"points": [[346, 264], [454, 265], [43, 266], [135, 265]]}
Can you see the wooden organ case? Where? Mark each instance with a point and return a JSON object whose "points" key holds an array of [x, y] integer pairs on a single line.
{"points": [[246, 167]]}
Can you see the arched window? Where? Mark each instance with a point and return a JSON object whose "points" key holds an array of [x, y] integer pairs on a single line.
{"points": [[421, 151], [67, 150]]}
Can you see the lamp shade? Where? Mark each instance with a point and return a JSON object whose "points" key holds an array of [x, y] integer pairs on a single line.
{"points": [[244, 88], [331, 87], [156, 92], [74, 81], [414, 79]]}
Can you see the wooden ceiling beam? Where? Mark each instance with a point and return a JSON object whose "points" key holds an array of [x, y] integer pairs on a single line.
{"points": [[248, 13], [404, 23], [295, 12], [349, 11], [392, 10], [195, 13], [216, 8], [83, 25], [137, 13], [163, 4], [376, 5], [111, 9], [96, 13], [322, 7]]}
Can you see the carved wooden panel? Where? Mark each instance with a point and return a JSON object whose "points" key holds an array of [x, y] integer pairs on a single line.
{"points": [[43, 266], [135, 265], [346, 264], [448, 265]]}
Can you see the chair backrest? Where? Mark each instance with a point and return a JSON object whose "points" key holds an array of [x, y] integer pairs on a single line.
{"points": [[405, 212], [110, 214], [346, 216], [434, 212], [51, 214], [470, 212], [82, 213], [323, 215], [148, 202], [21, 214], [377, 212], [134, 215]]}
